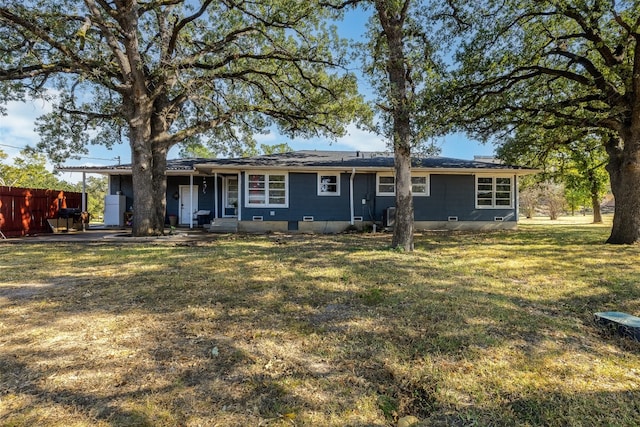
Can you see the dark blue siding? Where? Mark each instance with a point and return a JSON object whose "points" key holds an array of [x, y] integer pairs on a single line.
{"points": [[305, 201], [124, 184], [205, 199], [450, 195], [454, 195]]}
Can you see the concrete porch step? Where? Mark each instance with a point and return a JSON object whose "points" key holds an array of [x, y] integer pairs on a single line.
{"points": [[224, 225]]}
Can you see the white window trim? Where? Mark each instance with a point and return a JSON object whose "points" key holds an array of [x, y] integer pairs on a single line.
{"points": [[418, 174], [493, 192], [266, 189], [378, 192], [428, 185], [326, 193]]}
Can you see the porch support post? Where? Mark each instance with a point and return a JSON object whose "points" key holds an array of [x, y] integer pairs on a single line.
{"points": [[84, 191], [191, 201], [239, 197], [215, 195]]}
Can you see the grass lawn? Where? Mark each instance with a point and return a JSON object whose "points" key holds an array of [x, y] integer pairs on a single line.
{"points": [[471, 329]]}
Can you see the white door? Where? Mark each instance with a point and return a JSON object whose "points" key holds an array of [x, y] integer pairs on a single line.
{"points": [[188, 207], [230, 194]]}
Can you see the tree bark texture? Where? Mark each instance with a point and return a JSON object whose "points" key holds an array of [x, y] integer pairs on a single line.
{"points": [[403, 230], [392, 22], [624, 173], [595, 203]]}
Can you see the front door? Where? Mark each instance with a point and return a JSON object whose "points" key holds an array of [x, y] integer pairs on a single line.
{"points": [[188, 207], [230, 202]]}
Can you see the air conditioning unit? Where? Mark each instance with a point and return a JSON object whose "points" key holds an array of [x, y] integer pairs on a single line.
{"points": [[389, 217]]}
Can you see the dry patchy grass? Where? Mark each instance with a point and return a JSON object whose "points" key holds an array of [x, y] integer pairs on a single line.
{"points": [[470, 329]]}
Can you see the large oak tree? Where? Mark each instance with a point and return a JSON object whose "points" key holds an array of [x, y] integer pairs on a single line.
{"points": [[163, 72], [557, 64], [403, 69]]}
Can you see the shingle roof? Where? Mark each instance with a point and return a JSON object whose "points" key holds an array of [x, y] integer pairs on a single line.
{"points": [[351, 159], [311, 159]]}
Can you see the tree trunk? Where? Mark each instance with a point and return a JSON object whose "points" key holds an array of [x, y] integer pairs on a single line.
{"points": [[143, 187], [403, 229], [149, 166], [624, 173], [392, 21], [595, 204]]}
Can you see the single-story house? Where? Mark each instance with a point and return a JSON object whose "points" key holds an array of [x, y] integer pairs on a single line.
{"points": [[323, 191]]}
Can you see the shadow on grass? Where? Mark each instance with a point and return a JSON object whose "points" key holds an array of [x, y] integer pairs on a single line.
{"points": [[326, 331]]}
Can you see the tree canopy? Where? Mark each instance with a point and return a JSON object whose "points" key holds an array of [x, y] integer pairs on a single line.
{"points": [[29, 170], [161, 73], [556, 64]]}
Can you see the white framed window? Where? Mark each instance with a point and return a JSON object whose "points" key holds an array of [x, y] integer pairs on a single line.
{"points": [[328, 184], [494, 192], [267, 190], [420, 185], [385, 185]]}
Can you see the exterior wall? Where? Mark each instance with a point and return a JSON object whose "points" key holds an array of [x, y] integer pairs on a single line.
{"points": [[449, 196], [205, 196], [124, 184], [455, 196], [304, 201]]}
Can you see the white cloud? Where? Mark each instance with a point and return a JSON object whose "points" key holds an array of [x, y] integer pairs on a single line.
{"points": [[17, 127], [355, 140], [361, 140]]}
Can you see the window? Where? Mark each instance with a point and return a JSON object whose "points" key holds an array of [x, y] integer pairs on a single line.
{"points": [[420, 185], [328, 184], [266, 190], [493, 192], [386, 185]]}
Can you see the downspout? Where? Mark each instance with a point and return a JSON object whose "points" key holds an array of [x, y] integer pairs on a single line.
{"points": [[351, 202], [191, 201]]}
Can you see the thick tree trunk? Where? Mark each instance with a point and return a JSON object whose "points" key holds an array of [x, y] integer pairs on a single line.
{"points": [[392, 21], [624, 173], [403, 229], [149, 165], [143, 188]]}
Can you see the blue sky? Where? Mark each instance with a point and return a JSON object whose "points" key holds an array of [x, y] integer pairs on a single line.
{"points": [[17, 128]]}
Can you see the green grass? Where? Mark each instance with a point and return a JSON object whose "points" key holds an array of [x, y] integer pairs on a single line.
{"points": [[470, 329]]}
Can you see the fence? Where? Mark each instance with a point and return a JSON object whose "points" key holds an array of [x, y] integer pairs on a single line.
{"points": [[25, 211]]}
